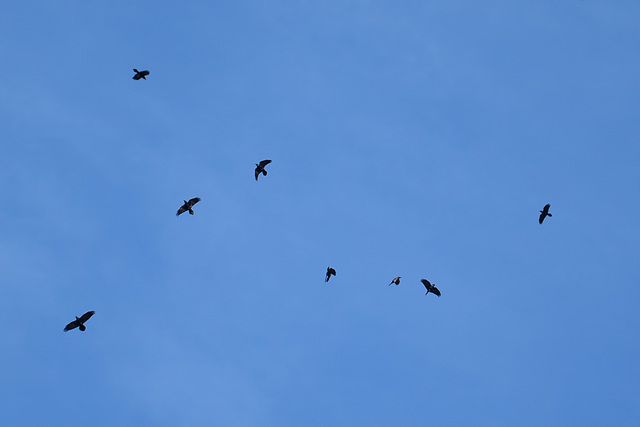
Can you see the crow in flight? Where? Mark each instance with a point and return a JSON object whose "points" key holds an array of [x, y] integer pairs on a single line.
{"points": [[260, 168], [79, 322], [140, 74], [544, 213], [188, 206], [330, 272], [430, 288], [396, 281]]}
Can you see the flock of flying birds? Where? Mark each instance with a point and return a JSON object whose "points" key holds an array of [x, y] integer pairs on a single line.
{"points": [[260, 169]]}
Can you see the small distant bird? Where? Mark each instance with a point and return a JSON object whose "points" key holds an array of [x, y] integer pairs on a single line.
{"points": [[140, 74], [396, 281], [544, 213], [188, 206], [430, 288], [79, 322], [260, 168], [330, 272]]}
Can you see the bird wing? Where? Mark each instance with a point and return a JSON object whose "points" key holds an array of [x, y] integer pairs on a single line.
{"points": [[182, 210], [264, 163], [435, 290], [257, 173], [541, 218], [137, 77], [331, 271], [87, 316], [145, 72], [72, 325], [427, 284], [546, 208], [194, 201]]}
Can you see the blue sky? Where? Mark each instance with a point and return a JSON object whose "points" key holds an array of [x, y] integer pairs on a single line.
{"points": [[417, 139]]}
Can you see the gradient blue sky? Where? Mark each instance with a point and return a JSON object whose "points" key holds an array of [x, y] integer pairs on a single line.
{"points": [[411, 138]]}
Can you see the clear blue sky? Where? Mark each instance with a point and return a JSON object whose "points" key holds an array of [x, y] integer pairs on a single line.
{"points": [[410, 138]]}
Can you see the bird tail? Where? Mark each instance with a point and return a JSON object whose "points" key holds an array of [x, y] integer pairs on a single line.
{"points": [[191, 211], [82, 328], [549, 214], [264, 172]]}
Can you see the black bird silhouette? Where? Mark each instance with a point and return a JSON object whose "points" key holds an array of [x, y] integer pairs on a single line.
{"points": [[140, 74], [396, 281], [330, 272], [188, 206], [79, 322], [544, 213], [430, 288], [260, 168]]}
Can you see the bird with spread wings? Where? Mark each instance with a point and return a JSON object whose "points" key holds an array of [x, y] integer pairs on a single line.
{"points": [[188, 206], [79, 322], [330, 272], [260, 168], [430, 288], [544, 213], [140, 74]]}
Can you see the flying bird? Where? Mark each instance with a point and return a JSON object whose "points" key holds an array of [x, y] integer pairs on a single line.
{"points": [[396, 281], [79, 322], [260, 168], [430, 288], [140, 74], [544, 213], [188, 206], [330, 272]]}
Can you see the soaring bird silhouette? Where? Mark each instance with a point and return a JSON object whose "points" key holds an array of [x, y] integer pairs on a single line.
{"points": [[260, 168], [396, 281], [188, 206], [430, 288], [140, 74], [79, 322], [330, 272], [544, 213]]}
